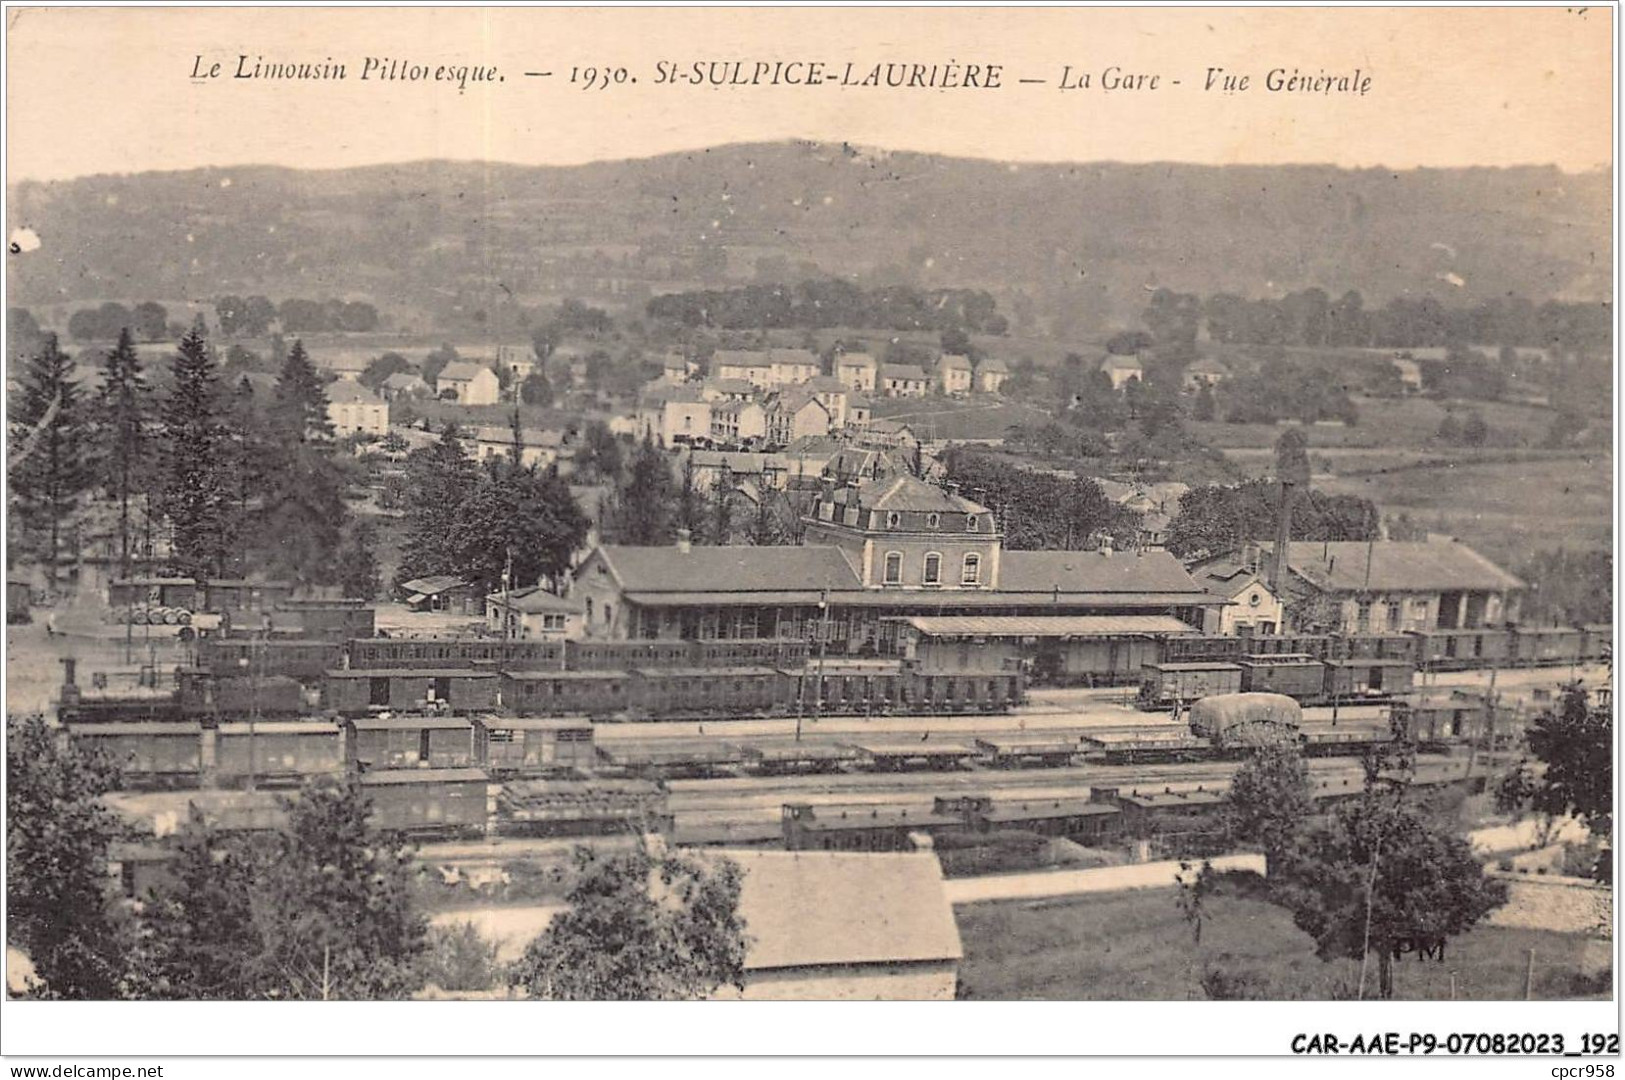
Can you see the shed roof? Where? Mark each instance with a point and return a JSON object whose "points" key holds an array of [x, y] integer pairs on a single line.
{"points": [[1046, 625], [533, 600], [409, 723], [806, 909], [411, 673], [738, 569], [1396, 566], [1092, 571], [435, 583], [532, 723], [280, 727]]}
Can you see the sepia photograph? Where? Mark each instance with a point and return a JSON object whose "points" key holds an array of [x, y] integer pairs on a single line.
{"points": [[814, 504]]}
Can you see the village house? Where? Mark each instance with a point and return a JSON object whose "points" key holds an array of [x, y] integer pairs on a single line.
{"points": [[953, 375], [468, 384], [352, 409], [406, 385], [893, 434], [795, 414], [1204, 371], [857, 371], [1252, 608], [749, 366], [1410, 373], [532, 613], [904, 380], [1122, 369], [990, 374], [845, 926], [859, 410], [1391, 586], [539, 447], [676, 370], [874, 551], [711, 469], [673, 415], [519, 361], [792, 367], [738, 421], [717, 389], [832, 395]]}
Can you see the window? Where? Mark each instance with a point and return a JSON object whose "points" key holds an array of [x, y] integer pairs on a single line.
{"points": [[971, 524], [1362, 624], [894, 568], [893, 520], [1393, 615], [971, 574], [933, 569], [933, 520], [589, 609]]}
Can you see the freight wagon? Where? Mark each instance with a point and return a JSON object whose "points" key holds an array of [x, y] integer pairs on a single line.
{"points": [[462, 690], [860, 687], [1168, 684], [278, 751], [150, 754], [1352, 679], [1296, 675], [508, 745], [936, 694], [1539, 646], [440, 802], [410, 742], [203, 696]]}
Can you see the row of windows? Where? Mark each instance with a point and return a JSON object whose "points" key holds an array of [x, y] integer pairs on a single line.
{"points": [[894, 520], [970, 571]]}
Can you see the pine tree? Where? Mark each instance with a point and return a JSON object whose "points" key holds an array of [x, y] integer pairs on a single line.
{"points": [[50, 473], [358, 562], [124, 407], [300, 408], [722, 511], [646, 507], [441, 477], [195, 497]]}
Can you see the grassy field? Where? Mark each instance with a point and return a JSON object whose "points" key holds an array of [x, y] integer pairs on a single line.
{"points": [[1506, 510], [1137, 946], [1389, 423], [940, 418]]}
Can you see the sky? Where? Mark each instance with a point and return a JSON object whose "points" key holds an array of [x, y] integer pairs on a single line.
{"points": [[111, 90]]}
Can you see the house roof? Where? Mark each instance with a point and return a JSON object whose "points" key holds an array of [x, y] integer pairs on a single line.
{"points": [[462, 371], [673, 362], [1095, 572], [956, 361], [815, 908], [530, 437], [737, 461], [663, 394], [404, 380], [1206, 365], [904, 371], [856, 359], [435, 583], [855, 400], [534, 600], [739, 358], [345, 392], [794, 356], [991, 363], [825, 384], [887, 426], [738, 569], [907, 492], [728, 386], [1121, 363], [1396, 566]]}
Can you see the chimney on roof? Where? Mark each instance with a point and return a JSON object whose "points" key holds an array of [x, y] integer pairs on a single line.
{"points": [[685, 541]]}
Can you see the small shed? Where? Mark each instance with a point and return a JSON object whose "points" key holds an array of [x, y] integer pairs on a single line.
{"points": [[443, 592]]}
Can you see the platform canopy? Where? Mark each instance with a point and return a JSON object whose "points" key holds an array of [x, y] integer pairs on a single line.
{"points": [[1056, 626]]}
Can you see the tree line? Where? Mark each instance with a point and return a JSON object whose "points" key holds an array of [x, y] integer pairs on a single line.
{"points": [[1040, 511], [235, 482], [254, 316], [830, 303]]}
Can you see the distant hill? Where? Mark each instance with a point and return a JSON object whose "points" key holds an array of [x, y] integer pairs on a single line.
{"points": [[1067, 248]]}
